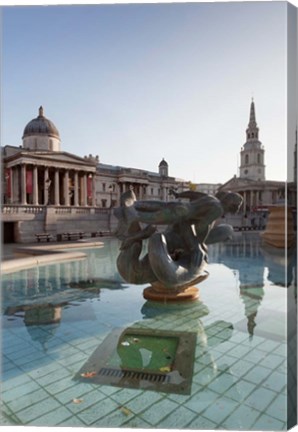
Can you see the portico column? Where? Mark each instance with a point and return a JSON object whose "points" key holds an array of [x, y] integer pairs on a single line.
{"points": [[11, 186], [85, 190], [35, 185], [244, 201], [93, 190], [66, 188], [57, 192], [46, 185], [76, 189], [23, 185], [251, 199]]}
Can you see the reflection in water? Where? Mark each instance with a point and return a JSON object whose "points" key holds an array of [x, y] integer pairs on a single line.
{"points": [[54, 286], [35, 315], [208, 337], [254, 262]]}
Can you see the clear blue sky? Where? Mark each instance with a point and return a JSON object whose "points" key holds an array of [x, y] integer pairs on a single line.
{"points": [[138, 83]]}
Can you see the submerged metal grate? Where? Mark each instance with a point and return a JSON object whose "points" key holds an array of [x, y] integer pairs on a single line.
{"points": [[149, 376], [172, 373]]}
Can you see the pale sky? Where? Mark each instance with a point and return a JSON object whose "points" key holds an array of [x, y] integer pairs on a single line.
{"points": [[135, 83]]}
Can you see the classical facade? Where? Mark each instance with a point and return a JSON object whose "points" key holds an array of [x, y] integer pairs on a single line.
{"points": [[258, 193], [39, 173], [48, 190]]}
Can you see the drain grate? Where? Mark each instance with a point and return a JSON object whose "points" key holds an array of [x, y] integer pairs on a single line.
{"points": [[149, 359], [152, 377]]}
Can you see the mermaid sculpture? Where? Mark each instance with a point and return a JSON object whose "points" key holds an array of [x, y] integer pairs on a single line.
{"points": [[177, 250]]}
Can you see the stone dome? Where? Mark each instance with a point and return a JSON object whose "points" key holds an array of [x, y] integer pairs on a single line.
{"points": [[41, 126]]}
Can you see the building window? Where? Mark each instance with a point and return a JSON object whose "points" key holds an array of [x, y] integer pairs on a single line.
{"points": [[259, 158], [152, 191], [245, 171], [103, 187], [104, 203], [246, 159]]}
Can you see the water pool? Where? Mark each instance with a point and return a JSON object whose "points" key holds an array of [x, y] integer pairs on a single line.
{"points": [[54, 318]]}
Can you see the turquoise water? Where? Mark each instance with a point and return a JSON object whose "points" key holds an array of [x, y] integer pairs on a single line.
{"points": [[54, 317]]}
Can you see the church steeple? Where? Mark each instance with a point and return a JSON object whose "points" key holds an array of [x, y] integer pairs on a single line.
{"points": [[252, 132], [252, 153]]}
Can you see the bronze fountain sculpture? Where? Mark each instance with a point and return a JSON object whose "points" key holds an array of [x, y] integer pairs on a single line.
{"points": [[177, 251]]}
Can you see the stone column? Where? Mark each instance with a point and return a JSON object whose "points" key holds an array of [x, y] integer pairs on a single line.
{"points": [[244, 201], [23, 185], [85, 190], [76, 189], [12, 185], [35, 185], [251, 199], [93, 190], [140, 191], [257, 198], [46, 185], [66, 188], [57, 191]]}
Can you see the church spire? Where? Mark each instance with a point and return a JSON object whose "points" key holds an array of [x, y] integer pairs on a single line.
{"points": [[252, 132], [252, 153]]}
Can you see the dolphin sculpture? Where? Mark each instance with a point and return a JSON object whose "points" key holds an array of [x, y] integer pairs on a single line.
{"points": [[176, 257]]}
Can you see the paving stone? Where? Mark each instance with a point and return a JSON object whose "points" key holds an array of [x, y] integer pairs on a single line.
{"points": [[97, 411], [178, 419], [265, 422], [158, 411], [200, 422], [37, 410], [220, 409], [27, 400], [242, 418], [16, 392], [143, 401], [52, 418], [260, 398]]}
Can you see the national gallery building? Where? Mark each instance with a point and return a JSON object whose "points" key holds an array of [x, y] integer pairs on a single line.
{"points": [[46, 190]]}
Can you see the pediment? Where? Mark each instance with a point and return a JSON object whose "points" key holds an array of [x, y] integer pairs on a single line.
{"points": [[236, 183], [62, 157], [50, 158]]}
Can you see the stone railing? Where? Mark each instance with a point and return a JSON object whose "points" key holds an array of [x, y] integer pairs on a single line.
{"points": [[21, 209], [80, 210], [14, 209]]}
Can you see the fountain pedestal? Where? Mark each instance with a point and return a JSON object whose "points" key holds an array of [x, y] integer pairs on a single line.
{"points": [[159, 293]]}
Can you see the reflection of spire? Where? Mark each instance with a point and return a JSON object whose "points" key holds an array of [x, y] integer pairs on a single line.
{"points": [[252, 299]]}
